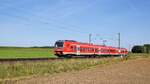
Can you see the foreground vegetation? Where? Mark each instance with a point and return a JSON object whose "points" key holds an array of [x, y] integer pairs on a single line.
{"points": [[16, 52], [18, 70], [21, 70]]}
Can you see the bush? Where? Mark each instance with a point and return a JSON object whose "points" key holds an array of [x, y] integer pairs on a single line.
{"points": [[141, 49], [137, 49]]}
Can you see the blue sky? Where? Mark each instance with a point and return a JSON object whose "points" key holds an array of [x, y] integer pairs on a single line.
{"points": [[42, 22]]}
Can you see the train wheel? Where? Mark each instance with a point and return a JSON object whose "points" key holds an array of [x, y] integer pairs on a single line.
{"points": [[93, 56], [59, 56], [90, 56], [68, 56]]}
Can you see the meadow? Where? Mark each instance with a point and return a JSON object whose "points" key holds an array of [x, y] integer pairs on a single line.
{"points": [[19, 52]]}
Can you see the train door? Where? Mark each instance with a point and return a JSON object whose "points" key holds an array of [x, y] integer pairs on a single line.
{"points": [[78, 49], [99, 52]]}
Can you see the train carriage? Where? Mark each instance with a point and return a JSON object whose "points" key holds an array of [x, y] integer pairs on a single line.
{"points": [[68, 48]]}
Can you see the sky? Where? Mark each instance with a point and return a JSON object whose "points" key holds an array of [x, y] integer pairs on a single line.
{"points": [[42, 22]]}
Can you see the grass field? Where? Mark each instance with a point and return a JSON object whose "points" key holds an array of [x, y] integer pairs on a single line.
{"points": [[8, 52], [19, 70]]}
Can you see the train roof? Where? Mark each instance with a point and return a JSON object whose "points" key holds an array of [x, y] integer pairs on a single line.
{"points": [[66, 40], [87, 43]]}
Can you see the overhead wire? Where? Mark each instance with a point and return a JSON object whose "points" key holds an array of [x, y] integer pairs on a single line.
{"points": [[60, 27]]}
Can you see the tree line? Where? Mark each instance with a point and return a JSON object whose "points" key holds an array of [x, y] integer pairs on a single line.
{"points": [[141, 48]]}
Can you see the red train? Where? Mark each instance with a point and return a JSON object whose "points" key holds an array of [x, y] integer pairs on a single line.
{"points": [[69, 48]]}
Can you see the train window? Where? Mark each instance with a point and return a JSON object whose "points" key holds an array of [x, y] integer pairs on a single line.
{"points": [[59, 44], [88, 49], [84, 49], [105, 51], [78, 49], [102, 50], [81, 49], [99, 50], [92, 49], [71, 47], [96, 50], [74, 48]]}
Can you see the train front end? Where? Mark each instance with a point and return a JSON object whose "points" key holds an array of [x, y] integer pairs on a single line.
{"points": [[59, 48]]}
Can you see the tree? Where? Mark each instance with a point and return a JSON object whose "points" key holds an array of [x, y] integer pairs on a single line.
{"points": [[146, 48], [137, 49]]}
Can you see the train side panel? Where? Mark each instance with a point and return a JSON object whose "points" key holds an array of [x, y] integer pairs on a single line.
{"points": [[85, 49]]}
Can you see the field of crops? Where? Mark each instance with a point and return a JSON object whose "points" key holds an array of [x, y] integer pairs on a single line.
{"points": [[10, 52]]}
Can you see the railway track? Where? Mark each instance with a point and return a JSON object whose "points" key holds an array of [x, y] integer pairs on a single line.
{"points": [[13, 60]]}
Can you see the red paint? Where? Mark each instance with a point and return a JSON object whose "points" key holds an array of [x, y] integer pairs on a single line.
{"points": [[67, 47]]}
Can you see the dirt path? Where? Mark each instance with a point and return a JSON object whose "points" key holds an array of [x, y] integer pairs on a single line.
{"points": [[130, 72]]}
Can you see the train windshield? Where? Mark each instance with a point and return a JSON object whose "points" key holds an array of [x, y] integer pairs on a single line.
{"points": [[59, 44]]}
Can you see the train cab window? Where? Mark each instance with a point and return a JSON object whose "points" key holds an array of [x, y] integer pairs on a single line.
{"points": [[59, 44]]}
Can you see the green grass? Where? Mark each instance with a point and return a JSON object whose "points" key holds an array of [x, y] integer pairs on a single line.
{"points": [[25, 52]]}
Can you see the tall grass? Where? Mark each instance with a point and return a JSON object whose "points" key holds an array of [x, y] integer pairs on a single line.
{"points": [[21, 70], [137, 55]]}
